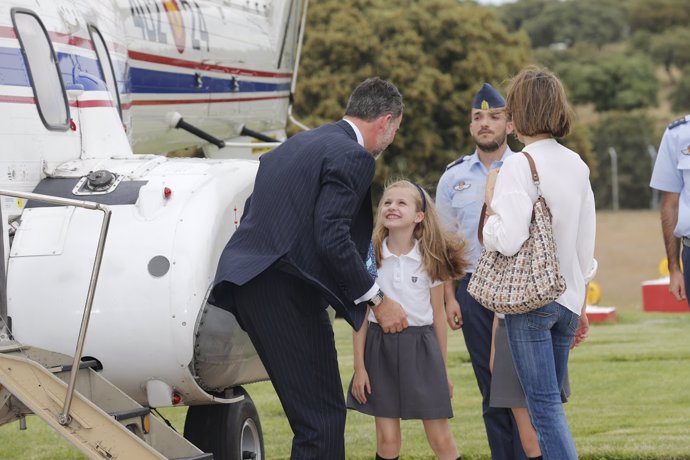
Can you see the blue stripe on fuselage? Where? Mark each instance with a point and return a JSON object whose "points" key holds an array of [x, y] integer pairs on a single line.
{"points": [[155, 81]]}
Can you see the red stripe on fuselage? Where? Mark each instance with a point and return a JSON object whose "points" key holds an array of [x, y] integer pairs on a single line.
{"points": [[90, 104], [198, 101], [202, 66], [86, 43], [18, 99]]}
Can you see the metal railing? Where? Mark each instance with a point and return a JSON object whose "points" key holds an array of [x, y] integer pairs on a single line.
{"points": [[64, 418]]}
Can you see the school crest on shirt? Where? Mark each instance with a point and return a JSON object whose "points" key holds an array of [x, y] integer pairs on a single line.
{"points": [[414, 279]]}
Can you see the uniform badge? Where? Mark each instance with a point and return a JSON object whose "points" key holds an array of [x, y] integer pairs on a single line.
{"points": [[414, 279], [462, 185], [686, 150]]}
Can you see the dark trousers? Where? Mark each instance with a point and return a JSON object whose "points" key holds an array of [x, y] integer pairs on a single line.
{"points": [[501, 429], [294, 339]]}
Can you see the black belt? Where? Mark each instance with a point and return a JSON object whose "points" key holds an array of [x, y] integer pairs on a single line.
{"points": [[686, 241]]}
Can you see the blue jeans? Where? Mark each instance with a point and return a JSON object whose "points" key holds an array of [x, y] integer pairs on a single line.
{"points": [[540, 344]]}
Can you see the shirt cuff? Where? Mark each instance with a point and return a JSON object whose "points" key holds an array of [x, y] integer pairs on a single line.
{"points": [[369, 294]]}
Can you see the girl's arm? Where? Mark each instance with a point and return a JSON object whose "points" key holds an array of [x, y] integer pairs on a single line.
{"points": [[440, 327], [360, 381]]}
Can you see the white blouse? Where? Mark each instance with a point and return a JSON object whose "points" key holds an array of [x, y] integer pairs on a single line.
{"points": [[564, 183]]}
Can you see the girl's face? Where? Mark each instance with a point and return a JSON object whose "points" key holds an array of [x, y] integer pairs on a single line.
{"points": [[399, 208]]}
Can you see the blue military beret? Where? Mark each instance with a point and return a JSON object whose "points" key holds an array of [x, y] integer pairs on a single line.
{"points": [[488, 98]]}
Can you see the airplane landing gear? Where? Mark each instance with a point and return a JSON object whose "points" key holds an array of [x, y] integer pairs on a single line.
{"points": [[229, 431]]}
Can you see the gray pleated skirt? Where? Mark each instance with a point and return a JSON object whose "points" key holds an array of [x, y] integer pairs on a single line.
{"points": [[506, 390], [407, 375]]}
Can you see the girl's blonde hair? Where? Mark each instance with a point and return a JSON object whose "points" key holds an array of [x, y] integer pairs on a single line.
{"points": [[443, 252]]}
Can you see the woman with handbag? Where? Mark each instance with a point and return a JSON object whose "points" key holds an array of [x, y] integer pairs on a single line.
{"points": [[540, 339]]}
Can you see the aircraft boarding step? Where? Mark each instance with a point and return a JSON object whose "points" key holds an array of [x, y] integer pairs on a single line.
{"points": [[105, 422]]}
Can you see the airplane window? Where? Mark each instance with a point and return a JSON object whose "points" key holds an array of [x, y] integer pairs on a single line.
{"points": [[44, 73], [106, 66]]}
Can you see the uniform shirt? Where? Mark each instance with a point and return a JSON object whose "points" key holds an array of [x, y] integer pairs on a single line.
{"points": [[404, 279], [564, 183], [460, 196], [672, 170]]}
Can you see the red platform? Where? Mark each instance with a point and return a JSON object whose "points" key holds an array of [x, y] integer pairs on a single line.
{"points": [[597, 314], [655, 297]]}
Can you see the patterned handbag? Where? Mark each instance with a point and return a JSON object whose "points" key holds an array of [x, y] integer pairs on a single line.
{"points": [[527, 280]]}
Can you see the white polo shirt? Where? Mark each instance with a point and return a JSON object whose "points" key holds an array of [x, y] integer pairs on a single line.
{"points": [[404, 279]]}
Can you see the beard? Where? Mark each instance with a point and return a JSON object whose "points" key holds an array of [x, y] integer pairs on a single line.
{"points": [[492, 145]]}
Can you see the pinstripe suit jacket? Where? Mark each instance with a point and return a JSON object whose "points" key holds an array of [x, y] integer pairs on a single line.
{"points": [[310, 211]]}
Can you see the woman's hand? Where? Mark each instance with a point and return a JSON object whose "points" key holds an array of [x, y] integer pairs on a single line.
{"points": [[489, 190], [450, 388], [361, 386], [582, 330]]}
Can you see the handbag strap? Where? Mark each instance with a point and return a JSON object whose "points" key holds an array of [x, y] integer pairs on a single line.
{"points": [[535, 179], [533, 170]]}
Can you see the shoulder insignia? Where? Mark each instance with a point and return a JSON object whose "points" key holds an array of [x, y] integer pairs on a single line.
{"points": [[678, 122], [457, 162]]}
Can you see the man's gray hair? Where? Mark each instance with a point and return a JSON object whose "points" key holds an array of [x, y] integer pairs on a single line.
{"points": [[374, 98]]}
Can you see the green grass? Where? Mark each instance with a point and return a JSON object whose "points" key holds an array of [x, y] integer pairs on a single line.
{"points": [[630, 400]]}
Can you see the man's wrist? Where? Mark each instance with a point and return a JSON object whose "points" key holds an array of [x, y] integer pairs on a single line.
{"points": [[376, 300]]}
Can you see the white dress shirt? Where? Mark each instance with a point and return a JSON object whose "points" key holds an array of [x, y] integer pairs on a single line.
{"points": [[564, 183], [404, 279]]}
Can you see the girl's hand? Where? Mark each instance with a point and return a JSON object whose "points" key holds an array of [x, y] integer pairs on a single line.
{"points": [[361, 386], [450, 387]]}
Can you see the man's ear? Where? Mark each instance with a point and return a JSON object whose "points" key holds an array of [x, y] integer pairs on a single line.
{"points": [[509, 127], [383, 121]]}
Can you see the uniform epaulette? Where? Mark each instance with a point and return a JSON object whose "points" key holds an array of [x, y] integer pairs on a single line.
{"points": [[678, 122], [457, 162]]}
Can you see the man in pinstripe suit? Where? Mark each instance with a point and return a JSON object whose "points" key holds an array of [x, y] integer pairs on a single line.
{"points": [[300, 246]]}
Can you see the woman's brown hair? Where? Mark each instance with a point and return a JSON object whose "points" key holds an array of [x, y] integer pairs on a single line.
{"points": [[537, 103]]}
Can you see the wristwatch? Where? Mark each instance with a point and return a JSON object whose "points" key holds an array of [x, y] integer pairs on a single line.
{"points": [[376, 300]]}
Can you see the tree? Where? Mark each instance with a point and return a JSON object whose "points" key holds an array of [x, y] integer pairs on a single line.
{"points": [[680, 96], [671, 48], [616, 82], [630, 134], [569, 22], [658, 15], [438, 52]]}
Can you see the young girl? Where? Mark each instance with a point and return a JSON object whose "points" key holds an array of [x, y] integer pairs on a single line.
{"points": [[403, 375]]}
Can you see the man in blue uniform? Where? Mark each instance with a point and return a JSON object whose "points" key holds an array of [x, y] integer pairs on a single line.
{"points": [[459, 198], [671, 176]]}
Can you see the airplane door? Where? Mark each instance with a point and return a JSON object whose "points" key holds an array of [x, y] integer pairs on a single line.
{"points": [[106, 65], [34, 107]]}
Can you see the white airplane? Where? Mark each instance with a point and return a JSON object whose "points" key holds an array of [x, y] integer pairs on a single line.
{"points": [[89, 92]]}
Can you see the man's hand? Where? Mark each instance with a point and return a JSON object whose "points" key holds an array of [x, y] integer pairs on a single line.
{"points": [[453, 314], [390, 315], [676, 285]]}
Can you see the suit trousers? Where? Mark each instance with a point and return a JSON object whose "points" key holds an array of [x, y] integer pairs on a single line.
{"points": [[501, 429], [294, 338]]}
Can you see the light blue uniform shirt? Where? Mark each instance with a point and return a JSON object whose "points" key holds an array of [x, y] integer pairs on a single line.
{"points": [[460, 196], [672, 170]]}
